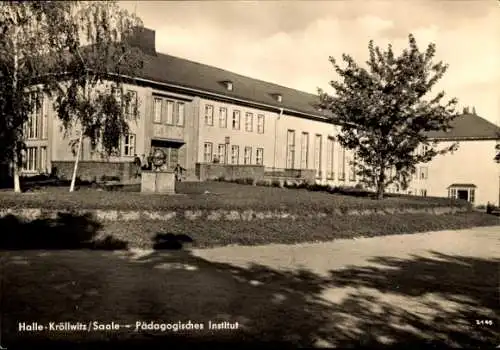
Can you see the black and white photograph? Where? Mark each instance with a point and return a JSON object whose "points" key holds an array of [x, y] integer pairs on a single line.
{"points": [[300, 174]]}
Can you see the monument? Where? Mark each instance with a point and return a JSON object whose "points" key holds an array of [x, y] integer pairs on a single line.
{"points": [[158, 179]]}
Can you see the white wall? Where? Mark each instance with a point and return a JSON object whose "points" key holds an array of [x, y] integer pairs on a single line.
{"points": [[471, 163]]}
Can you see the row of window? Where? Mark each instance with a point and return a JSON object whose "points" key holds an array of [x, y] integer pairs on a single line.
{"points": [[127, 147], [318, 149], [168, 111], [235, 119], [221, 156], [36, 127], [34, 159]]}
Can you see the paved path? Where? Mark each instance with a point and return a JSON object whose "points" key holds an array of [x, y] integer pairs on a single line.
{"points": [[408, 290], [482, 242]]}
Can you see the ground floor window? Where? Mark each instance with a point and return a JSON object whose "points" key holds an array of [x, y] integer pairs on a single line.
{"points": [[34, 159], [259, 156]]}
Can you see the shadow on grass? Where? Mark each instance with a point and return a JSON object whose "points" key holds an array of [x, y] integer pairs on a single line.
{"points": [[67, 231], [170, 241], [354, 306]]}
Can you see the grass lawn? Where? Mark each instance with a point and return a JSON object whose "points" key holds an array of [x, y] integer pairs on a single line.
{"points": [[220, 196]]}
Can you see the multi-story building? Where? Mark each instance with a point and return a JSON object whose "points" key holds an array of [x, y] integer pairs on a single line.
{"points": [[202, 114]]}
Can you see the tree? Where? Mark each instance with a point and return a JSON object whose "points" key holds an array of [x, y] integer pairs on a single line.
{"points": [[31, 31], [91, 100], [384, 112]]}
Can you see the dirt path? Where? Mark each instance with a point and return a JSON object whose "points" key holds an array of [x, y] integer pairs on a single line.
{"points": [[414, 290]]}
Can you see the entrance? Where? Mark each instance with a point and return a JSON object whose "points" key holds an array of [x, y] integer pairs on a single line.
{"points": [[463, 194], [171, 150]]}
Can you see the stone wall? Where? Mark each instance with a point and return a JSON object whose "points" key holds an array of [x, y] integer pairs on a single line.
{"points": [[209, 171], [307, 175], [95, 170]]}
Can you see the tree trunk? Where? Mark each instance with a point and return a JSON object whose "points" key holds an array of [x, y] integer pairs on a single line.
{"points": [[15, 172], [381, 184], [17, 183], [75, 169], [86, 92]]}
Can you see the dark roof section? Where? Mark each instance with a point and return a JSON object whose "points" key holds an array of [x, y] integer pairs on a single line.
{"points": [[462, 185], [191, 75], [468, 126], [188, 74]]}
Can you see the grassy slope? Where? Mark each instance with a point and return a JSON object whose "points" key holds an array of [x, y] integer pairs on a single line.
{"points": [[221, 196]]}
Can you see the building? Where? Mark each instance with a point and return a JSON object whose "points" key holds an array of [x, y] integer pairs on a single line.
{"points": [[200, 114]]}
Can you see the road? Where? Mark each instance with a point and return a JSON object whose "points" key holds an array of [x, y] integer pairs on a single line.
{"points": [[437, 288]]}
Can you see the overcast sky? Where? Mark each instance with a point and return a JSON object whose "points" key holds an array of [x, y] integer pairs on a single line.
{"points": [[289, 42]]}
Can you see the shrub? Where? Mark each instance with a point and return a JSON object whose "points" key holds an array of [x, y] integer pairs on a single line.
{"points": [[240, 181], [276, 183], [249, 181], [105, 178], [317, 187]]}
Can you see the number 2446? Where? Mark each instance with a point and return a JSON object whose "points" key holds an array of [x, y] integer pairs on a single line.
{"points": [[484, 322]]}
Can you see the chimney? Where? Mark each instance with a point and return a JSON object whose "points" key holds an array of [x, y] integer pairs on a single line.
{"points": [[144, 39]]}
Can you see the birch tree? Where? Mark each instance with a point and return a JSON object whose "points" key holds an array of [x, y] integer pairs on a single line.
{"points": [[30, 32], [385, 110], [101, 60]]}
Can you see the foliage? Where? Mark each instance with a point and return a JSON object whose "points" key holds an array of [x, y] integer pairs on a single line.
{"points": [[31, 32], [93, 99], [384, 112]]}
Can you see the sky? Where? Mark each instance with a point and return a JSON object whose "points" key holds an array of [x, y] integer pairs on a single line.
{"points": [[290, 42]]}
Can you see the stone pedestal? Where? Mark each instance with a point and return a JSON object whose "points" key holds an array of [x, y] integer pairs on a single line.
{"points": [[158, 182]]}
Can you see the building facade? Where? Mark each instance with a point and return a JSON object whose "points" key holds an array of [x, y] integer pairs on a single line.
{"points": [[202, 114]]}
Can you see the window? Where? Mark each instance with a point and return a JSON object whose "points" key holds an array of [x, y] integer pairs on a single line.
{"points": [[304, 150], [330, 149], [259, 156], [248, 155], [236, 120], [30, 159], [222, 153], [179, 114], [249, 122], [341, 163], [129, 145], [43, 159], [45, 120], [209, 115], [131, 103], [223, 117], [207, 152], [472, 196], [317, 154], [260, 123], [157, 110], [31, 127], [235, 154], [423, 192], [423, 173], [423, 149], [290, 149], [168, 112], [352, 168]]}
